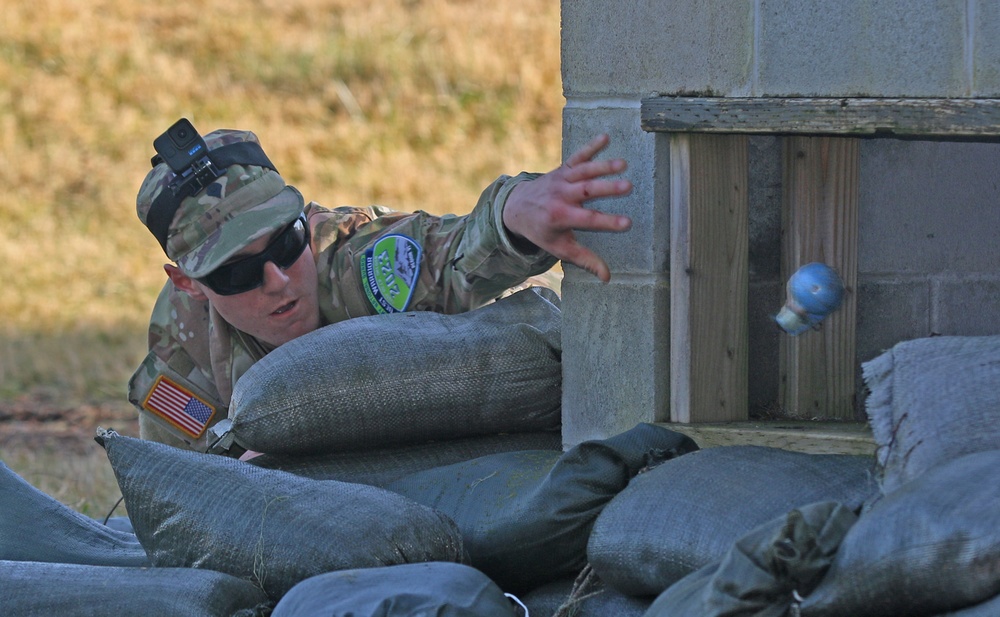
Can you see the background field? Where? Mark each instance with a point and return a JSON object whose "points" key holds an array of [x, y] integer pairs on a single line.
{"points": [[415, 104]]}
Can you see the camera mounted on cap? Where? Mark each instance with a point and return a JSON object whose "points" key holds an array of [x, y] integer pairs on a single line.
{"points": [[182, 148]]}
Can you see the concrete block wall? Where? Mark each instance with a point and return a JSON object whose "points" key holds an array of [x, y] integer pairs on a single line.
{"points": [[929, 254]]}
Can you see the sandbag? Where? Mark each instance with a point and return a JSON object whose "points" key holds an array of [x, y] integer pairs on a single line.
{"points": [[686, 513], [932, 400], [270, 527], [989, 608], [433, 589], [766, 572], [578, 598], [381, 466], [525, 516], [36, 527], [120, 523], [930, 546], [407, 378], [73, 590]]}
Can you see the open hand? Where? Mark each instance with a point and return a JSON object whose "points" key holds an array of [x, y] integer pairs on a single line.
{"points": [[547, 210]]}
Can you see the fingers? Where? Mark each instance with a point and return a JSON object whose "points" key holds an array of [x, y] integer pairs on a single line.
{"points": [[555, 203], [588, 170], [580, 192], [592, 220], [589, 151], [588, 260]]}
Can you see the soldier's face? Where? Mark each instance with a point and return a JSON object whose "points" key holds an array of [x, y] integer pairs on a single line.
{"points": [[285, 307]]}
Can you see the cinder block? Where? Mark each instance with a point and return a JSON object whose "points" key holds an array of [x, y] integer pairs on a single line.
{"points": [[876, 48], [644, 248], [616, 350], [764, 300], [966, 306], [986, 50], [766, 290], [765, 208], [929, 207], [890, 310], [639, 47]]}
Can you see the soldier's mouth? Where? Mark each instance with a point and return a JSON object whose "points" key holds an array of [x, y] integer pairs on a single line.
{"points": [[284, 309]]}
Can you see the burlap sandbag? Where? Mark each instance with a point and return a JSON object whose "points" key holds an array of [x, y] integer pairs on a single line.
{"points": [[72, 590], [930, 546], [407, 378], [270, 527], [36, 527], [525, 516], [989, 608], [432, 589], [766, 572], [686, 513], [583, 596], [381, 466], [932, 400]]}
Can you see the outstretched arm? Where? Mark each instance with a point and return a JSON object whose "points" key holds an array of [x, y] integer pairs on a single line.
{"points": [[547, 210]]}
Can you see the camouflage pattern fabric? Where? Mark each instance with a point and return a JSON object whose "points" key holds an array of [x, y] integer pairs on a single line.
{"points": [[245, 203], [464, 262]]}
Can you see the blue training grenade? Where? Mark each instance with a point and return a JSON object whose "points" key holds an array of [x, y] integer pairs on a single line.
{"points": [[814, 291]]}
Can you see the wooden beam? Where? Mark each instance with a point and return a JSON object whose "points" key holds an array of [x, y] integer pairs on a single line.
{"points": [[708, 277], [820, 223], [948, 118], [810, 437]]}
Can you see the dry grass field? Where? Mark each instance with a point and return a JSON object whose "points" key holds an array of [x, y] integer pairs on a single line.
{"points": [[415, 104]]}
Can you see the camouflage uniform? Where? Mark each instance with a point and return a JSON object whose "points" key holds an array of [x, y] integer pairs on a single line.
{"points": [[450, 264]]}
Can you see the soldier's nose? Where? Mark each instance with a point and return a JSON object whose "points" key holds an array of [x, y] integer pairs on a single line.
{"points": [[275, 278]]}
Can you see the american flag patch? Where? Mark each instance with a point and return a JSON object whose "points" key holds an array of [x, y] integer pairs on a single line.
{"points": [[179, 406]]}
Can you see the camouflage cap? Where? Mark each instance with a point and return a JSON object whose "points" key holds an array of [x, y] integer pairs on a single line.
{"points": [[245, 203]]}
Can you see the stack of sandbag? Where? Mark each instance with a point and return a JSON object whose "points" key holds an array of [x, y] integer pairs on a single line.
{"points": [[36, 527], [525, 517], [989, 608], [56, 561], [687, 513], [927, 544], [215, 552], [766, 572], [399, 380], [928, 547], [242, 538], [275, 529], [38, 589], [932, 400], [441, 589], [930, 543], [585, 595], [380, 466]]}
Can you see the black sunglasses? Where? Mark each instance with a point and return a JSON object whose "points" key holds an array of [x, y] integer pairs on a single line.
{"points": [[248, 272]]}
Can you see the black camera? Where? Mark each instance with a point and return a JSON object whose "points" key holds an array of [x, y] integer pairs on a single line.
{"points": [[184, 150], [180, 147]]}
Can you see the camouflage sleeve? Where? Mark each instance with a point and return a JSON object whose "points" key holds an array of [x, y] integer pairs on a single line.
{"points": [[487, 257], [418, 261], [173, 391]]}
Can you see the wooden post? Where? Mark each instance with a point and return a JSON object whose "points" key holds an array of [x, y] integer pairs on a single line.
{"points": [[708, 277], [820, 221]]}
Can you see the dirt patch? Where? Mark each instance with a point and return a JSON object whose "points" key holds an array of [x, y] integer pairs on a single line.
{"points": [[39, 421]]}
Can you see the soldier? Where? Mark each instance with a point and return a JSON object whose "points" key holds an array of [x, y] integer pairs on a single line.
{"points": [[254, 266]]}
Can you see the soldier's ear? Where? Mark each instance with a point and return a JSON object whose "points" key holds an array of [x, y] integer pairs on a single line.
{"points": [[184, 282]]}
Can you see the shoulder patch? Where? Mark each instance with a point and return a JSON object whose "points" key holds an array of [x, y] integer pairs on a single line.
{"points": [[389, 270], [179, 406]]}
